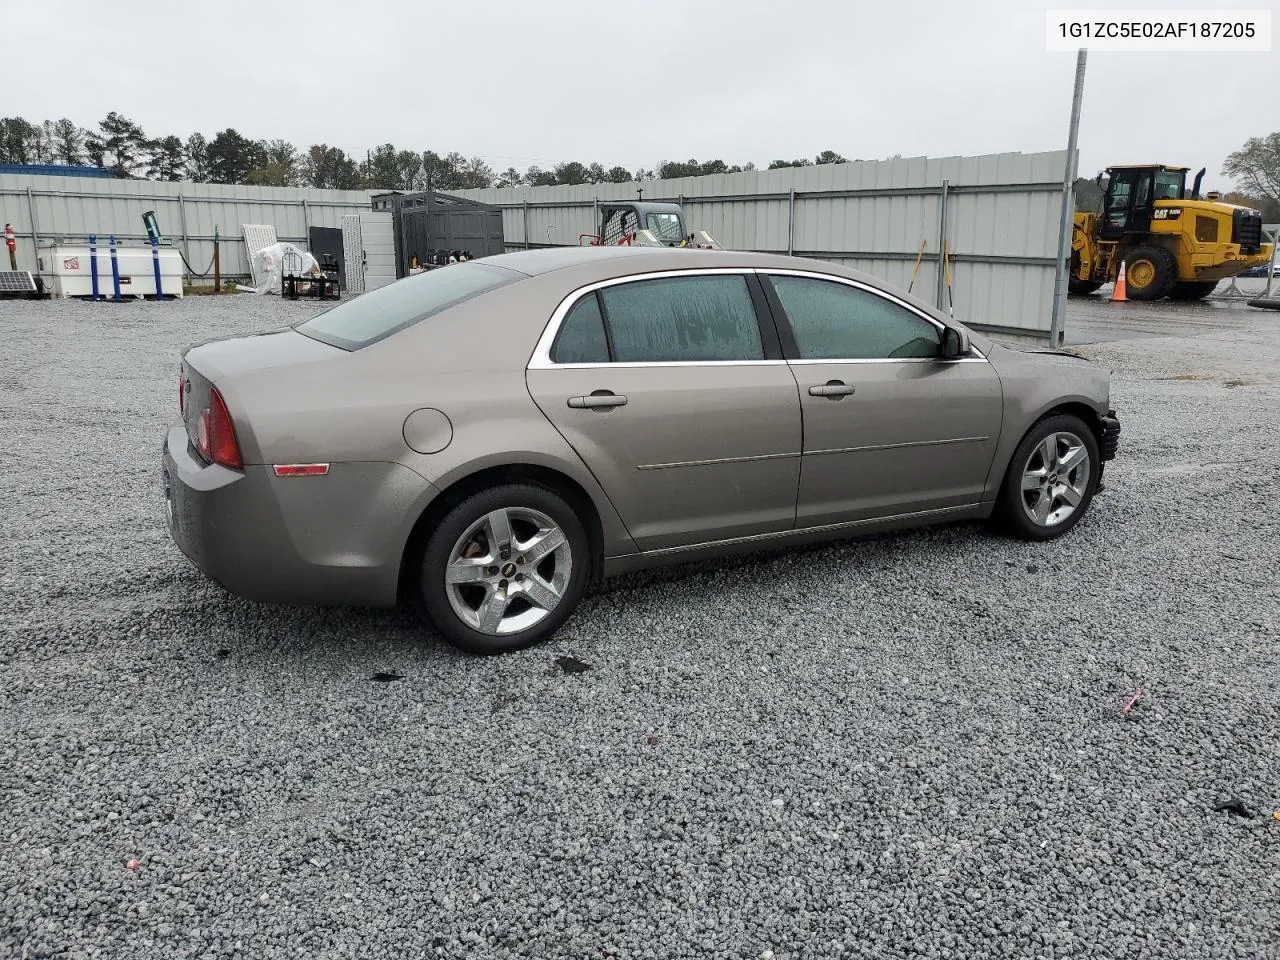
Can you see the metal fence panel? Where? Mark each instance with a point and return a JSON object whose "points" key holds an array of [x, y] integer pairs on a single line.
{"points": [[1002, 219]]}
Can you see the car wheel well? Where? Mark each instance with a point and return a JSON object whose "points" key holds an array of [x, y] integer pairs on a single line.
{"points": [[1075, 409], [560, 484], [1081, 410]]}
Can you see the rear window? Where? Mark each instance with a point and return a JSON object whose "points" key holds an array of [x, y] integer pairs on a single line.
{"points": [[378, 314]]}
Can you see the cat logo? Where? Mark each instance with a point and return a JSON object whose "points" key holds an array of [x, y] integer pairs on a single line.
{"points": [[1167, 213]]}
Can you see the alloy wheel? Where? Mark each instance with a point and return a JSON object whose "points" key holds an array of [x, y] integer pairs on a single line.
{"points": [[1055, 479], [508, 571]]}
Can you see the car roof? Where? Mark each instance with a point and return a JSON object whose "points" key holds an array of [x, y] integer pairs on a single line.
{"points": [[622, 259]]}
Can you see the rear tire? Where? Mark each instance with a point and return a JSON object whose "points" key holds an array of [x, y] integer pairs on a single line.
{"points": [[1192, 289], [504, 569], [1150, 272], [1050, 480]]}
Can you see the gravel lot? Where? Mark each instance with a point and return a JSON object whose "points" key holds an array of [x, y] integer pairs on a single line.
{"points": [[905, 746]]}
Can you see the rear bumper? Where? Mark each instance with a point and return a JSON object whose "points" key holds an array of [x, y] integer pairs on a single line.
{"points": [[293, 540]]}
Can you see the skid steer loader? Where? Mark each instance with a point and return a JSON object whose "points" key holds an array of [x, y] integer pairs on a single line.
{"points": [[1172, 242], [646, 224]]}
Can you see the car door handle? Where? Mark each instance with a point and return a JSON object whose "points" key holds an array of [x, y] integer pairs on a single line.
{"points": [[832, 390], [602, 399]]}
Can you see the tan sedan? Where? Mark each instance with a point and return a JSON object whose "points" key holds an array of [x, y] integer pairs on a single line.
{"points": [[485, 439]]}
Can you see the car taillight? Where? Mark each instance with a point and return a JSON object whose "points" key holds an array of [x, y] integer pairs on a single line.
{"points": [[215, 435]]}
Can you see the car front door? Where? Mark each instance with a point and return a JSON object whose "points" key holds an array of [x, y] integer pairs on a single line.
{"points": [[889, 427], [673, 390]]}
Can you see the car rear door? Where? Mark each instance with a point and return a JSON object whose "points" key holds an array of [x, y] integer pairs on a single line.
{"points": [[673, 390], [889, 428]]}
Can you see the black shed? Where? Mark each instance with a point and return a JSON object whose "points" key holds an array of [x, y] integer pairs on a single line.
{"points": [[431, 225]]}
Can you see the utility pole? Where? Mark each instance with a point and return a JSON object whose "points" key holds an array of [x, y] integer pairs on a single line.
{"points": [[1058, 317]]}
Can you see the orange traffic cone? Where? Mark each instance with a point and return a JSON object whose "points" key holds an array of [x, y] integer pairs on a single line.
{"points": [[1119, 294]]}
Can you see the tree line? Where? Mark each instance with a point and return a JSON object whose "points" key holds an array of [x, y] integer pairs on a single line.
{"points": [[120, 145]]}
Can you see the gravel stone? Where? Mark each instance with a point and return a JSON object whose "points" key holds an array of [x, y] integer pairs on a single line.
{"points": [[907, 745]]}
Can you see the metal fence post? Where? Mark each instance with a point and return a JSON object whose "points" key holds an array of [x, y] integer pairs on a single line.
{"points": [[941, 295], [526, 224], [186, 244], [791, 222], [1066, 228], [306, 222], [35, 229]]}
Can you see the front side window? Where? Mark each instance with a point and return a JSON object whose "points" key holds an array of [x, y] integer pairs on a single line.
{"points": [[834, 321], [378, 314], [682, 319]]}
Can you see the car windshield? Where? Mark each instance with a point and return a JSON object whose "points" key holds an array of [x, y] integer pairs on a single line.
{"points": [[664, 226], [378, 314]]}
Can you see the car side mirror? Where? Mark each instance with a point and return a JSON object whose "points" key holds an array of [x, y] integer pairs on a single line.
{"points": [[955, 344]]}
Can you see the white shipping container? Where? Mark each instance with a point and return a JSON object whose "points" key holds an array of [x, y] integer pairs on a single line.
{"points": [[67, 271]]}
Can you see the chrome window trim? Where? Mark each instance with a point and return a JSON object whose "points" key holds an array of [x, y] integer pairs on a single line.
{"points": [[550, 365], [541, 359], [978, 355]]}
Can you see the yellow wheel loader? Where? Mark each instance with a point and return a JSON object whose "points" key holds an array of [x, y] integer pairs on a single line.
{"points": [[1172, 242]]}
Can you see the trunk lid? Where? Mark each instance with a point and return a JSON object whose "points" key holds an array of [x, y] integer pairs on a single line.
{"points": [[217, 359], [207, 364]]}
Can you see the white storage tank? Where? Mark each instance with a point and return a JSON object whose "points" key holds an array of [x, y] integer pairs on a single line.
{"points": [[67, 272]]}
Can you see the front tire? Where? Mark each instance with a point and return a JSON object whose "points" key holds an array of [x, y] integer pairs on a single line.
{"points": [[504, 569], [1051, 479], [1150, 272]]}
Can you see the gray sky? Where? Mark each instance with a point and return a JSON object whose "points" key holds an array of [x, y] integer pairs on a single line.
{"points": [[542, 81]]}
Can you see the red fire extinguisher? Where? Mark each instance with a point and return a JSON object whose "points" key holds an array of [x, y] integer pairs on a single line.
{"points": [[12, 244]]}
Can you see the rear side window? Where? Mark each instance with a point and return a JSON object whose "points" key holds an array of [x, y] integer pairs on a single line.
{"points": [[581, 338], [682, 319], [834, 321], [378, 314]]}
